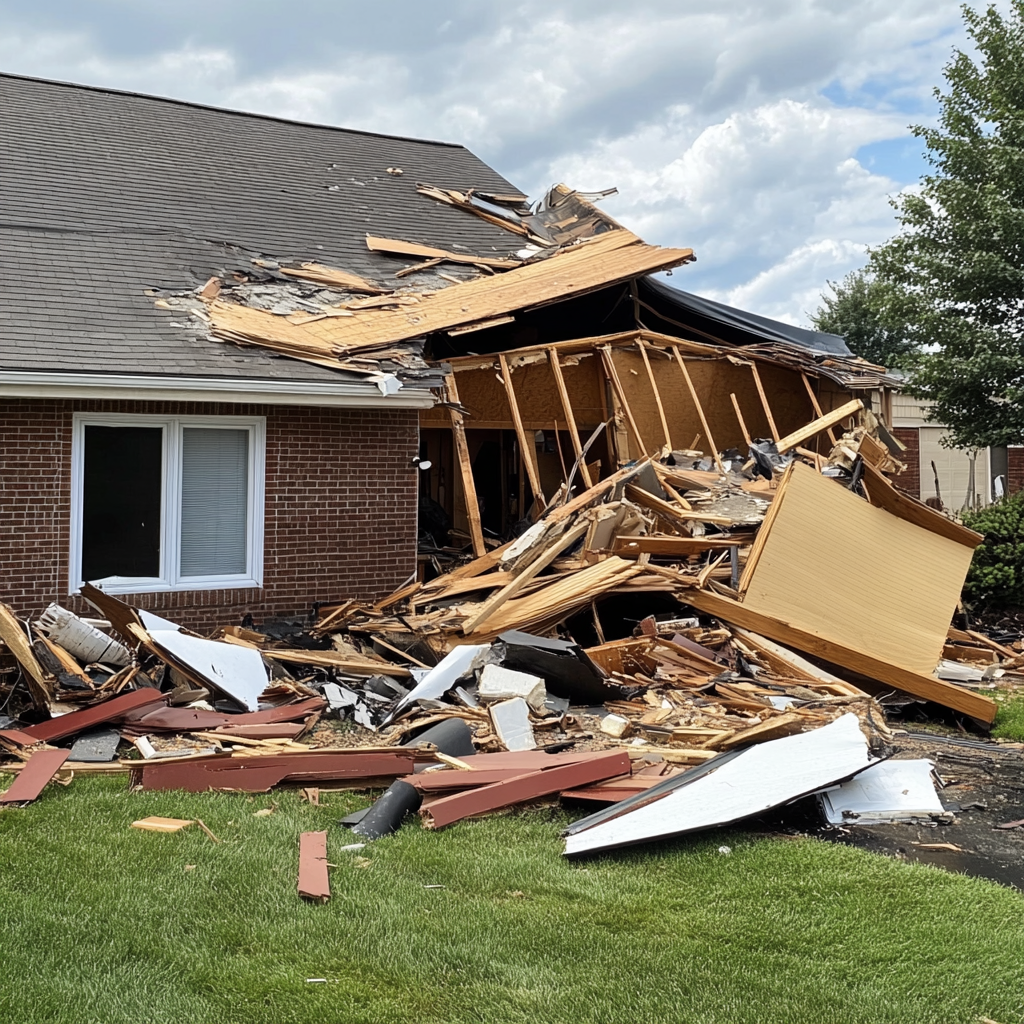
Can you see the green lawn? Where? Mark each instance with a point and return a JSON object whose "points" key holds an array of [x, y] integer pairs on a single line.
{"points": [[102, 923]]}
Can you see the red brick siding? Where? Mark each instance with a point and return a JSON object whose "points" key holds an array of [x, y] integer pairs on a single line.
{"points": [[340, 512], [1014, 470], [910, 479]]}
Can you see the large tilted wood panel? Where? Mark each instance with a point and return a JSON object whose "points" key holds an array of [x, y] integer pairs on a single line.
{"points": [[857, 575]]}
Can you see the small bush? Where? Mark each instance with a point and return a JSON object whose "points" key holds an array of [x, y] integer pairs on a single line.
{"points": [[996, 576]]}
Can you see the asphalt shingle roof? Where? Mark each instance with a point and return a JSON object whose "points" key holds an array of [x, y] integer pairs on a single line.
{"points": [[105, 194]]}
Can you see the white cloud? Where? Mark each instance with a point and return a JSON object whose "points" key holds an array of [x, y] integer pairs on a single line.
{"points": [[731, 126]]}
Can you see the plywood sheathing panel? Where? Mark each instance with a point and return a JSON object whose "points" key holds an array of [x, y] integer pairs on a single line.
{"points": [[838, 567], [611, 257]]}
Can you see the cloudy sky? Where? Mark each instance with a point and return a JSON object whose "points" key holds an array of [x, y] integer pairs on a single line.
{"points": [[767, 135]]}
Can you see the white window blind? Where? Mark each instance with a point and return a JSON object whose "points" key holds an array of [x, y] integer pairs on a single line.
{"points": [[214, 501]]}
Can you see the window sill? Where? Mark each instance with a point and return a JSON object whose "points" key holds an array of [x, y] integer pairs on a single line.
{"points": [[116, 585]]}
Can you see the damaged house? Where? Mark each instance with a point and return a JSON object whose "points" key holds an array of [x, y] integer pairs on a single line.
{"points": [[230, 345]]}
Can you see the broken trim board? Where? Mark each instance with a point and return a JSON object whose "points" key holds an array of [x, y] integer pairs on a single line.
{"points": [[751, 782], [521, 788], [314, 883], [106, 711], [884, 793], [238, 672], [33, 778]]}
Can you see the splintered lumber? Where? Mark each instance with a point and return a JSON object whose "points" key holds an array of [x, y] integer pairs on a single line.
{"points": [[106, 711], [521, 788], [338, 659], [816, 405], [154, 823], [493, 603], [395, 247], [773, 729], [33, 777], [39, 682], [527, 448], [333, 276], [835, 566], [678, 546], [857, 660], [764, 402], [818, 425], [570, 418], [608, 362], [654, 388], [314, 883], [700, 409], [476, 533]]}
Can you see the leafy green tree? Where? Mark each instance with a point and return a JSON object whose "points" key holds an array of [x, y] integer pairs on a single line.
{"points": [[959, 258], [871, 316], [996, 576]]}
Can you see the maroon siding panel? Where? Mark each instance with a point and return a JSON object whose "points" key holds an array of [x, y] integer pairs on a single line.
{"points": [[340, 512]]}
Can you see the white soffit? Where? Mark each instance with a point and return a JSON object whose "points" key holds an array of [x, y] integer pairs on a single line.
{"points": [[890, 791], [757, 779], [237, 671]]}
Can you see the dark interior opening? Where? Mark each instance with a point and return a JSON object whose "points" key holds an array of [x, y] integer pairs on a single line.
{"points": [[121, 501]]}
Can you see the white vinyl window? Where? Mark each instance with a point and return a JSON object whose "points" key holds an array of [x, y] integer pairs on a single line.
{"points": [[167, 502]]}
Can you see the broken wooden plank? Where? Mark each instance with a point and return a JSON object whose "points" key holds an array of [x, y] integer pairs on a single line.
{"points": [[816, 405], [106, 711], [764, 402], [700, 409], [40, 683], [396, 247], [521, 788], [612, 374], [657, 394], [817, 426], [333, 276], [527, 447], [476, 533], [33, 777], [314, 882], [570, 418], [673, 546]]}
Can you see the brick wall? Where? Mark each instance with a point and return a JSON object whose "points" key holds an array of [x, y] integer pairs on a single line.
{"points": [[340, 512], [1014, 470], [910, 479]]}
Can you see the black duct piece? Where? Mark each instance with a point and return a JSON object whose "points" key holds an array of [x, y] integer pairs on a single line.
{"points": [[451, 737], [767, 458], [564, 666]]}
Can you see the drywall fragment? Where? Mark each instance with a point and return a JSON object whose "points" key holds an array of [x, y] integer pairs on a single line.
{"points": [[511, 722], [77, 637], [497, 683], [615, 725], [886, 792]]}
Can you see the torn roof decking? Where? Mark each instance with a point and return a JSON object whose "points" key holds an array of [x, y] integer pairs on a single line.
{"points": [[607, 259], [107, 194]]}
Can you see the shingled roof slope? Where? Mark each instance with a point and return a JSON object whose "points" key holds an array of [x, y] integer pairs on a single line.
{"points": [[106, 194]]}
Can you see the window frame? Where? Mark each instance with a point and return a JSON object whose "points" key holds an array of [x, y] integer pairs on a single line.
{"points": [[170, 578]]}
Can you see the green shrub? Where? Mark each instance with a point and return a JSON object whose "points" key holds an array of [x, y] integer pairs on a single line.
{"points": [[996, 576]]}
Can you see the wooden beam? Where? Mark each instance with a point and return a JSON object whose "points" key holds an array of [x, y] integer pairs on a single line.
{"points": [[613, 375], [40, 683], [570, 419], [657, 394], [526, 445], [806, 432], [926, 687], [764, 403], [495, 601], [700, 410], [739, 419], [476, 531], [816, 405], [677, 546]]}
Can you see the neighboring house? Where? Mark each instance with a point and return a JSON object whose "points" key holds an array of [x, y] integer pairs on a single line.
{"points": [[931, 465], [221, 333]]}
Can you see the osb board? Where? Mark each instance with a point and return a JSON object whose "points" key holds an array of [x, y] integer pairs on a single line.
{"points": [[611, 257], [482, 393], [856, 575], [714, 380]]}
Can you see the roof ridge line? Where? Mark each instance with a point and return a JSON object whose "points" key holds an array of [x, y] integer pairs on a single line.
{"points": [[229, 110]]}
